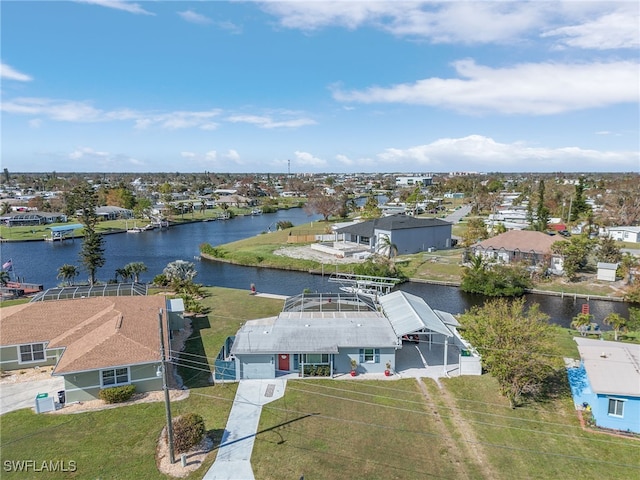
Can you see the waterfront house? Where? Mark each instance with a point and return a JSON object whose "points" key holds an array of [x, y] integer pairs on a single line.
{"points": [[408, 234], [326, 334], [530, 247], [607, 383], [94, 342]]}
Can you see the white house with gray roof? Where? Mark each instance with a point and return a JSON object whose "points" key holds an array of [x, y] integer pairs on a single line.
{"points": [[322, 334]]}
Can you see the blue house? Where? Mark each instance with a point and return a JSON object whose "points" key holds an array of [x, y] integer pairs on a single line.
{"points": [[608, 382]]}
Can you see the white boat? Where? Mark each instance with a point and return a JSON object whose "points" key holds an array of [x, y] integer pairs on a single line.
{"points": [[256, 211]]}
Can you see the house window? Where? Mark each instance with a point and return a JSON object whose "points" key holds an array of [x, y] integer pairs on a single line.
{"points": [[32, 353], [369, 355], [115, 376], [616, 407], [316, 358]]}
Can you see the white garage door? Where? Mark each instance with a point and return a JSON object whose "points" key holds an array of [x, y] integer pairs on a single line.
{"points": [[258, 366]]}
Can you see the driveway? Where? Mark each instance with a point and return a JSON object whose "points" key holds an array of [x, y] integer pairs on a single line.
{"points": [[14, 396]]}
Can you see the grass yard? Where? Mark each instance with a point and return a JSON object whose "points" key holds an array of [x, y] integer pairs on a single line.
{"points": [[333, 429], [539, 441]]}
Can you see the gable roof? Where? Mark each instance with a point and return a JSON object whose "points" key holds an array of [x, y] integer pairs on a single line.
{"points": [[523, 240], [390, 223], [409, 313], [612, 367], [96, 332]]}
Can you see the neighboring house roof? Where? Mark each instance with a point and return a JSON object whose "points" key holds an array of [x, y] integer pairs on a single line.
{"points": [[523, 240], [97, 332], [625, 229], [314, 332], [613, 368], [391, 223], [607, 266], [408, 313]]}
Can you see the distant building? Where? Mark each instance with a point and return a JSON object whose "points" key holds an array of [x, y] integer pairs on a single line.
{"points": [[533, 248], [408, 234], [418, 180], [607, 271], [624, 234]]}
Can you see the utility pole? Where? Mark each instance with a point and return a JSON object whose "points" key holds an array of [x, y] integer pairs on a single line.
{"points": [[165, 388]]}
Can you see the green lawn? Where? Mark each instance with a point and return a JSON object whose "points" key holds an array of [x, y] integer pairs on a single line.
{"points": [[337, 429]]}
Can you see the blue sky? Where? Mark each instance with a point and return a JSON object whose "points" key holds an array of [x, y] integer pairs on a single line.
{"points": [[347, 86]]}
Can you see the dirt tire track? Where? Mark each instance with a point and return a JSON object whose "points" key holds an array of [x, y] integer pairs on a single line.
{"points": [[457, 461], [471, 444]]}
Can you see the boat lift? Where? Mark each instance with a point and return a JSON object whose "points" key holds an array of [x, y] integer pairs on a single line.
{"points": [[364, 284]]}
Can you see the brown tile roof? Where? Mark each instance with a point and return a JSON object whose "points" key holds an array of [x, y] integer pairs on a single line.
{"points": [[523, 240], [96, 332]]}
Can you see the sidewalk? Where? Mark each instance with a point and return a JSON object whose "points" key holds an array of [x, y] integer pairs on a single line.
{"points": [[234, 455]]}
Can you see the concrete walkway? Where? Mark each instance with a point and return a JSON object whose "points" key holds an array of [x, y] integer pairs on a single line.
{"points": [[234, 455]]}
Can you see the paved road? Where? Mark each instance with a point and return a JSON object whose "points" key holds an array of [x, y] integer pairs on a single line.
{"points": [[14, 396], [456, 216]]}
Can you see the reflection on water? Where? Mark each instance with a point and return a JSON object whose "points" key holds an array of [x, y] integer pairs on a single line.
{"points": [[38, 262]]}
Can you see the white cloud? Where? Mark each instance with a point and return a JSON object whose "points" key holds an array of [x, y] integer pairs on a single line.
{"points": [[119, 5], [233, 155], [593, 25], [211, 155], [618, 29], [187, 154], [481, 153], [101, 161], [84, 112], [268, 122], [35, 123], [9, 73], [193, 17], [439, 22], [82, 153], [530, 88], [306, 159]]}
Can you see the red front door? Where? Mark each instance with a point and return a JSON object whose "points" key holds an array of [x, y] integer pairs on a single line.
{"points": [[283, 362]]}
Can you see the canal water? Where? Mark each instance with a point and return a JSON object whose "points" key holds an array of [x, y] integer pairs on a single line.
{"points": [[38, 262]]}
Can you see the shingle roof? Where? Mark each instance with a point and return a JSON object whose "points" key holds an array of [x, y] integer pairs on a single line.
{"points": [[612, 367], [523, 240], [96, 332]]}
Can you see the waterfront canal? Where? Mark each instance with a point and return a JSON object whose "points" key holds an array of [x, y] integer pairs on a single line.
{"points": [[38, 262]]}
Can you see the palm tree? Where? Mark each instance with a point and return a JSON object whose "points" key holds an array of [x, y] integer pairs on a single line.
{"points": [[617, 322], [389, 248], [203, 207], [122, 273], [581, 321], [134, 269], [5, 208], [67, 273], [180, 271]]}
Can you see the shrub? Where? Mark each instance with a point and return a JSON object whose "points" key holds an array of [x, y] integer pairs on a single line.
{"points": [[117, 394], [188, 430]]}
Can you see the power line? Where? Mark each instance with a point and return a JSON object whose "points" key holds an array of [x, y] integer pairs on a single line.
{"points": [[386, 427]]}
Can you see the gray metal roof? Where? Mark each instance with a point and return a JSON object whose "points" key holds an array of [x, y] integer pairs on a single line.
{"points": [[612, 367], [408, 313], [447, 318], [314, 332]]}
